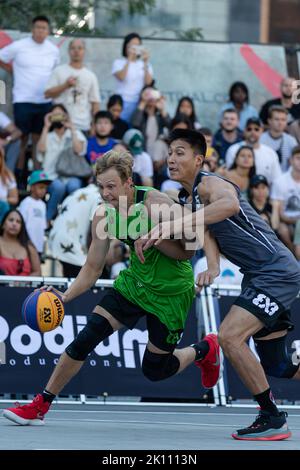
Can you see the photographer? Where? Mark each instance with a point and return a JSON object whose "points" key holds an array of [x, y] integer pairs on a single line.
{"points": [[132, 72], [151, 116], [59, 135]]}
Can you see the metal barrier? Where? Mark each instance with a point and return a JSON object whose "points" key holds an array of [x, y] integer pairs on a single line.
{"points": [[214, 302], [109, 377]]}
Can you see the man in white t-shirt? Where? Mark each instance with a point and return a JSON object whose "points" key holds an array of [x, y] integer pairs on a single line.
{"points": [[33, 60], [143, 166], [285, 195], [276, 137], [76, 87], [266, 160], [10, 141]]}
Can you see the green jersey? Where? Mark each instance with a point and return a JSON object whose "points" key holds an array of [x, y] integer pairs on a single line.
{"points": [[162, 286]]}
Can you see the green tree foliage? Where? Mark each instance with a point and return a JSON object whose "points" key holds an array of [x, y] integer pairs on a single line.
{"points": [[17, 14]]}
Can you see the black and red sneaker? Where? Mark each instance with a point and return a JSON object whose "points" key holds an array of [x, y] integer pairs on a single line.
{"points": [[266, 427], [29, 415], [212, 365]]}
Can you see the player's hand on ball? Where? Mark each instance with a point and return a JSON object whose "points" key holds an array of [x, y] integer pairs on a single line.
{"points": [[61, 295]]}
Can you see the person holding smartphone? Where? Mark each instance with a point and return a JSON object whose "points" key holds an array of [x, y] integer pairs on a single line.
{"points": [[132, 72]]}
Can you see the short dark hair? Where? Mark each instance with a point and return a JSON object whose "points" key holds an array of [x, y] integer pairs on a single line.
{"points": [[115, 99], [206, 131], [103, 115], [41, 18], [230, 110], [181, 118], [240, 85], [253, 120], [127, 39], [194, 138]]}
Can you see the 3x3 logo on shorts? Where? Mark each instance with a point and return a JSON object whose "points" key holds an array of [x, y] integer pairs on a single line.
{"points": [[262, 301], [265, 303]]}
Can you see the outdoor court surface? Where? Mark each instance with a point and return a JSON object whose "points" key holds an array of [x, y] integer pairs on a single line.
{"points": [[141, 426]]}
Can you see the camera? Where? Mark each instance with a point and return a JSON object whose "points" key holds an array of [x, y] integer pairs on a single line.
{"points": [[57, 117], [138, 49], [151, 94]]}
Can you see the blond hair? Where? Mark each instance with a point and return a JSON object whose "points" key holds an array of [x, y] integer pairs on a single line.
{"points": [[120, 160]]}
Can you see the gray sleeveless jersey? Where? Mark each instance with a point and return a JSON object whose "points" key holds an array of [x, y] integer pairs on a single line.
{"points": [[248, 241]]}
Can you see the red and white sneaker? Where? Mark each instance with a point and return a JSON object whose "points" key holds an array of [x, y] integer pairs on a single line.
{"points": [[29, 415], [212, 365]]}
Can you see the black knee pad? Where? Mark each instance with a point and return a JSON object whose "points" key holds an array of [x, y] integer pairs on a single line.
{"points": [[96, 330], [159, 366], [275, 359]]}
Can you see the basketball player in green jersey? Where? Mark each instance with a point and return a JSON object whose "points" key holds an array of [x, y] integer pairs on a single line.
{"points": [[161, 289]]}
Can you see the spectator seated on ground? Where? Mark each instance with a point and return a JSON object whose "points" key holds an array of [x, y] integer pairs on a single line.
{"points": [[134, 142], [266, 160], [259, 199], [285, 100], [239, 100], [115, 107], [186, 106], [242, 169], [228, 133], [70, 236], [151, 117], [275, 137], [59, 139], [33, 209], [285, 194], [10, 141], [102, 141], [18, 257]]}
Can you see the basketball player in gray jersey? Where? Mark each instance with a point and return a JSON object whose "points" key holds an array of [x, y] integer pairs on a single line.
{"points": [[270, 285]]}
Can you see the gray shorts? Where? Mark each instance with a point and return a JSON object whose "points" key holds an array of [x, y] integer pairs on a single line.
{"points": [[270, 300]]}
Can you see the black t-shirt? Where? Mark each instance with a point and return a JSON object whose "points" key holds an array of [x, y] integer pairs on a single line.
{"points": [[266, 210], [120, 127], [294, 111]]}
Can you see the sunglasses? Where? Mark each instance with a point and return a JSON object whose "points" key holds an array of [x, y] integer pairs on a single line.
{"points": [[256, 129]]}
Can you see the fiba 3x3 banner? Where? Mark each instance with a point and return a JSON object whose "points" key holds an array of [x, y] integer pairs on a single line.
{"points": [[113, 368]]}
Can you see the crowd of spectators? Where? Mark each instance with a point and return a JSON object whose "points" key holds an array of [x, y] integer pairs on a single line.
{"points": [[59, 129]]}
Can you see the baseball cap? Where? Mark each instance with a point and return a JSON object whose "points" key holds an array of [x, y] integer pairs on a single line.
{"points": [[258, 179], [38, 176], [134, 140], [253, 120]]}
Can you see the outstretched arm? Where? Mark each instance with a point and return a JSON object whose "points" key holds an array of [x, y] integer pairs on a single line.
{"points": [[161, 208], [221, 202], [93, 267]]}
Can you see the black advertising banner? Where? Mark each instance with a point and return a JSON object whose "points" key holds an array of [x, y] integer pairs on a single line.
{"points": [[282, 388], [113, 368]]}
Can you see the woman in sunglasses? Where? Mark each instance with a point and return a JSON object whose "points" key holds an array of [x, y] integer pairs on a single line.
{"points": [[18, 257]]}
